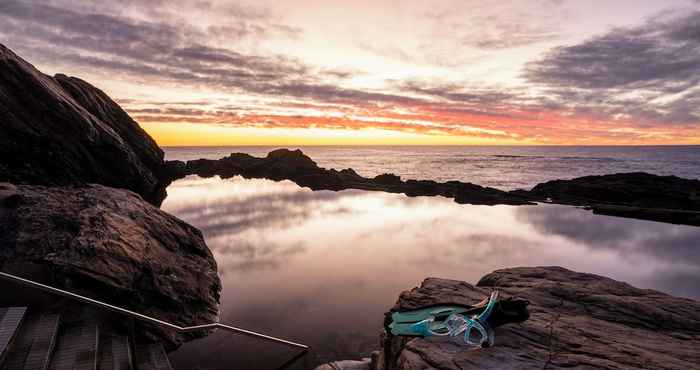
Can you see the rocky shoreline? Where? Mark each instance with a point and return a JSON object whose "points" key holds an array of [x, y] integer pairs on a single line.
{"points": [[634, 195], [80, 183]]}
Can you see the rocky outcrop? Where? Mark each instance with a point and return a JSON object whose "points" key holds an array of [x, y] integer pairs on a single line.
{"points": [[638, 195], [635, 189], [283, 164], [633, 195], [62, 130], [577, 320], [110, 245]]}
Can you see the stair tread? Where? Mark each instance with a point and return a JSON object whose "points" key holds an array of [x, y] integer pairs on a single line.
{"points": [[76, 348], [151, 356], [34, 344], [115, 353], [10, 321]]}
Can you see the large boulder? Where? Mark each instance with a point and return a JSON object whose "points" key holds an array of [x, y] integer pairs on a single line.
{"points": [[110, 245], [577, 320], [62, 130]]}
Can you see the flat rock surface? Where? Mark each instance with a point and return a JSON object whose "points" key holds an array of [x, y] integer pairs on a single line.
{"points": [[578, 320], [61, 130], [111, 245]]}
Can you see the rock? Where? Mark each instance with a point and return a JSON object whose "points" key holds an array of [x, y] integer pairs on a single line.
{"points": [[387, 179], [636, 189], [294, 165], [673, 216], [347, 365], [634, 195], [110, 245], [61, 130], [577, 320], [174, 170]]}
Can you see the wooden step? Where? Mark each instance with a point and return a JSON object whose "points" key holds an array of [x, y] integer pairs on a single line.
{"points": [[34, 344], [115, 353], [76, 347], [151, 356], [10, 321]]}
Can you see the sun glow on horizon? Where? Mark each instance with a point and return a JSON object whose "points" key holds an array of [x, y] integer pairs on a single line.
{"points": [[179, 134]]}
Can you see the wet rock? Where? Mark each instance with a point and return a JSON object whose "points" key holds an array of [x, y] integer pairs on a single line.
{"points": [[577, 320], [61, 130], [294, 165], [110, 245]]}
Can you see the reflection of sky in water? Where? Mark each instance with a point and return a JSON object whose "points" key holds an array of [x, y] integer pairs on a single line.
{"points": [[321, 267]]}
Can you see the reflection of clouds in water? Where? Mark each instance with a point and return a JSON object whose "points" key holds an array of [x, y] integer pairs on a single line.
{"points": [[681, 283], [235, 214], [322, 267], [244, 256], [672, 243], [237, 222]]}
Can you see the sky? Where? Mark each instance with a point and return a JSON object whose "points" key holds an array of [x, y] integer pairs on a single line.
{"points": [[305, 72]]}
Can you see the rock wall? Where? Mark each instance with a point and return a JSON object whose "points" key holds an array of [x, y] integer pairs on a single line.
{"points": [[110, 245]]}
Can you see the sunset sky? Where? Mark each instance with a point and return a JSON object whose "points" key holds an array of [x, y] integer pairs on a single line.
{"points": [[379, 72]]}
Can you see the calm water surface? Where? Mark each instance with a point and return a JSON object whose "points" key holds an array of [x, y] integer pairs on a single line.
{"points": [[322, 267]]}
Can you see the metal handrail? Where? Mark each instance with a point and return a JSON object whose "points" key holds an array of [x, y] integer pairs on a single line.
{"points": [[142, 317]]}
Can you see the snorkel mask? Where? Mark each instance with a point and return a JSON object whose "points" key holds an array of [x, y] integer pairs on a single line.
{"points": [[448, 321]]}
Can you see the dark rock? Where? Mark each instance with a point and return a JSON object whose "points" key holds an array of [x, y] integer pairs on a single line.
{"points": [[175, 169], [672, 216], [110, 245], [636, 189], [61, 130], [634, 195], [387, 179], [577, 320], [294, 165]]}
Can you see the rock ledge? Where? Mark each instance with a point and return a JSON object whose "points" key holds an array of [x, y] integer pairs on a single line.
{"points": [[577, 320]]}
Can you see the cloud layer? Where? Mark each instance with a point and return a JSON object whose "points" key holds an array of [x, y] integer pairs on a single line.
{"points": [[629, 84]]}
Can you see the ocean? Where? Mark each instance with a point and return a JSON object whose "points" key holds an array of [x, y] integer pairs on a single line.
{"points": [[322, 267], [502, 167]]}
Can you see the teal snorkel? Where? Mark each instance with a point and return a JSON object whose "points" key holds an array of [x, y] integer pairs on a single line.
{"points": [[450, 321]]}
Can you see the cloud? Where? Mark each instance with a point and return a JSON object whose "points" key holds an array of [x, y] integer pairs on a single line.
{"points": [[631, 80], [493, 27], [649, 73], [506, 35]]}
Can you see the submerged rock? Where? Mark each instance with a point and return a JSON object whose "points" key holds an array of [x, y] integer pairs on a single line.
{"points": [[294, 165], [61, 130], [110, 245], [577, 320]]}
